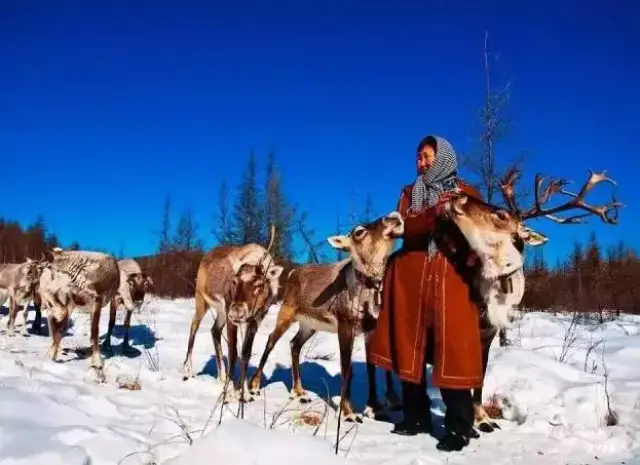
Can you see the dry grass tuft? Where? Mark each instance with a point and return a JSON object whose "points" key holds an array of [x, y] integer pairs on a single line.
{"points": [[308, 418], [131, 385]]}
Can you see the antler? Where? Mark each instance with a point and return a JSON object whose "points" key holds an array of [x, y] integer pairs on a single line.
{"points": [[506, 186], [577, 201], [273, 237], [271, 241]]}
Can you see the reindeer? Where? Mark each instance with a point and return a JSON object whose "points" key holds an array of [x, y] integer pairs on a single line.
{"points": [[134, 285], [498, 237], [241, 283], [341, 297], [18, 284], [87, 280]]}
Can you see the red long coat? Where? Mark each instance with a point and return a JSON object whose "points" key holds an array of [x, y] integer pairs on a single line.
{"points": [[419, 294]]}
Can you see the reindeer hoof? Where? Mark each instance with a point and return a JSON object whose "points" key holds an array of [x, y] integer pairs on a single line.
{"points": [[301, 397], [246, 398], [369, 412], [488, 426], [254, 391], [473, 434], [353, 418]]}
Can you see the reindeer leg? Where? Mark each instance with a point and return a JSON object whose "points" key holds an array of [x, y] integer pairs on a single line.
{"points": [[286, 317], [25, 316], [232, 350], [96, 359], [247, 345], [13, 311], [345, 341], [216, 335], [201, 308], [127, 326], [301, 337], [106, 344], [56, 328], [482, 421], [36, 326]]}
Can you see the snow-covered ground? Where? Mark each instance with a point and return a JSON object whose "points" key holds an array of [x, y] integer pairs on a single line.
{"points": [[552, 379]]}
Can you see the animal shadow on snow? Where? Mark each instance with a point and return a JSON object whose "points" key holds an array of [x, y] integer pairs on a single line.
{"points": [[316, 379], [31, 313], [139, 335]]}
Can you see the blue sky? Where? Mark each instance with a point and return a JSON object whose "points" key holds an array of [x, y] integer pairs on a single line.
{"points": [[105, 107]]}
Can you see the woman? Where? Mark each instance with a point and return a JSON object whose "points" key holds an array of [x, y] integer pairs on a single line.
{"points": [[427, 312]]}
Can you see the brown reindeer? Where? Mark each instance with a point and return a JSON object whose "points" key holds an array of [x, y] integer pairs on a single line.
{"points": [[80, 279], [240, 282], [341, 297], [498, 236], [134, 286], [18, 283]]}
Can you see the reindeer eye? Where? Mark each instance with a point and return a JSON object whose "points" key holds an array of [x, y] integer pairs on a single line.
{"points": [[502, 215], [359, 232]]}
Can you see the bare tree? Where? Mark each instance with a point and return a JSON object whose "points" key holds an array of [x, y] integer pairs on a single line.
{"points": [[307, 234], [483, 164], [186, 237], [164, 232], [368, 211]]}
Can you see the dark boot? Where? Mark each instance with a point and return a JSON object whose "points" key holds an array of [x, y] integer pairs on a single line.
{"points": [[416, 409], [458, 419]]}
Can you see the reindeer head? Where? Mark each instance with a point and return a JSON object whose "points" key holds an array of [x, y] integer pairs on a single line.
{"points": [[253, 290], [371, 244], [139, 284], [31, 276], [498, 235]]}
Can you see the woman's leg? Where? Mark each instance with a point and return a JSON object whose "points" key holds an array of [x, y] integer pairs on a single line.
{"points": [[458, 419], [416, 404]]}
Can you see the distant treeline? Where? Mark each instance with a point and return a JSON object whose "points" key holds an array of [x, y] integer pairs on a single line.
{"points": [[588, 279]]}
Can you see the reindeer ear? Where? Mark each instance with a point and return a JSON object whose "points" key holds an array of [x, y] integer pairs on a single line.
{"points": [[274, 272], [531, 237], [29, 260], [340, 242]]}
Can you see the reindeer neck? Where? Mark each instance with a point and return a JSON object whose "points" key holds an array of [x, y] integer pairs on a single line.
{"points": [[359, 284]]}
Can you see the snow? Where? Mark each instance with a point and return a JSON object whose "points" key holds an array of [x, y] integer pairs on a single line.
{"points": [[550, 383]]}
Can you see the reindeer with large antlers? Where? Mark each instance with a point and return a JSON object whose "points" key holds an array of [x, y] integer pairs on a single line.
{"points": [[240, 283], [498, 237]]}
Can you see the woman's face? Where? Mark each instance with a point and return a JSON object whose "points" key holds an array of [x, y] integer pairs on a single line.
{"points": [[424, 158]]}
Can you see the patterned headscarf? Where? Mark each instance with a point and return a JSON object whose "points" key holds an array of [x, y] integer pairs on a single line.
{"points": [[440, 177]]}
